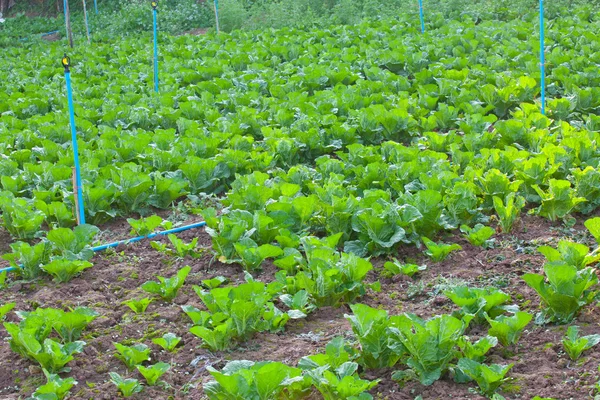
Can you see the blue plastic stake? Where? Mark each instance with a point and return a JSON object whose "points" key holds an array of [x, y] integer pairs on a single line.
{"points": [[542, 58], [96, 6], [217, 14], [420, 16], [154, 5], [66, 62]]}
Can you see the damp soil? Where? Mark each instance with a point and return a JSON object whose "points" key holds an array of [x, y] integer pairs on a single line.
{"points": [[541, 368]]}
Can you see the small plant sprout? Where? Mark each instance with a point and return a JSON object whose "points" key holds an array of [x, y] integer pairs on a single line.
{"points": [[127, 387], [395, 268], [139, 306], [575, 345], [153, 373], [56, 388], [508, 329], [168, 341], [167, 288], [478, 235], [132, 355], [439, 252]]}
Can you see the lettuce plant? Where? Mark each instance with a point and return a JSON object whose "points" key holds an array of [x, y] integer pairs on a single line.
{"points": [[508, 210], [50, 354], [260, 380], [21, 220], [559, 200], [564, 290], [153, 372], [28, 260], [55, 387], [334, 373], [430, 345], [64, 270], [571, 253], [5, 309], [70, 324], [167, 288], [168, 341], [138, 306], [132, 355], [179, 248], [127, 386], [574, 345], [73, 244], [478, 235], [300, 303], [477, 301], [476, 351], [250, 255], [396, 268], [508, 329], [371, 329], [439, 252], [488, 377], [146, 226]]}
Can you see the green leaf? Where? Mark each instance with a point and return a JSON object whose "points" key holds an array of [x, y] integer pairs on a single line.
{"points": [[168, 341], [128, 387], [575, 345], [132, 355], [509, 329], [153, 373]]}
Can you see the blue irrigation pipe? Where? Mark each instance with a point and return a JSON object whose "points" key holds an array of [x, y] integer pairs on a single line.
{"points": [[96, 6], [78, 185], [421, 16], [217, 14], [49, 33], [155, 50], [542, 58], [136, 239]]}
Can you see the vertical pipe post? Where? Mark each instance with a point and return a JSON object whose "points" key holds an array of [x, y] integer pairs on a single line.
{"points": [[78, 189], [96, 6], [154, 11], [542, 58], [68, 22], [87, 25], [217, 14], [421, 16]]}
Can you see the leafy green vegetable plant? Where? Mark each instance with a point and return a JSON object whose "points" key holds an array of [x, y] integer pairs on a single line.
{"points": [[168, 341], [489, 378], [508, 210], [28, 260], [139, 306], [70, 324], [250, 380], [167, 288], [153, 373], [476, 351], [64, 270], [431, 345], [395, 267], [478, 235], [575, 345], [180, 249], [371, 329], [73, 244], [565, 292], [251, 256], [477, 301], [127, 386], [559, 200], [571, 253], [148, 225], [55, 387], [508, 329], [439, 252], [5, 309], [132, 355]]}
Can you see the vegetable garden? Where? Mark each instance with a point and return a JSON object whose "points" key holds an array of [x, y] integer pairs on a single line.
{"points": [[389, 214]]}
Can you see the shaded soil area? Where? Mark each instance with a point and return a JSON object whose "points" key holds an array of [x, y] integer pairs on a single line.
{"points": [[540, 365]]}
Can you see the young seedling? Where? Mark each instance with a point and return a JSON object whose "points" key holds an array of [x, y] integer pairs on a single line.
{"points": [[478, 235], [575, 345], [56, 388], [396, 268], [489, 378], [153, 373], [146, 226], [439, 252], [139, 306], [508, 329], [128, 387], [214, 282], [169, 341], [5, 309], [132, 355], [64, 270], [508, 210], [167, 288]]}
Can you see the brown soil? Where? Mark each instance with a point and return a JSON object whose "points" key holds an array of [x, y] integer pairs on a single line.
{"points": [[541, 366]]}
